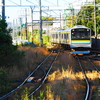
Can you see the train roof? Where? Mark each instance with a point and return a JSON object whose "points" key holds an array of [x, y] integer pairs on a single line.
{"points": [[58, 30], [79, 26], [69, 29]]}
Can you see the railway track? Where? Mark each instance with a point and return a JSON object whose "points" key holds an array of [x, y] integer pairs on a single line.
{"points": [[38, 76], [46, 72], [84, 69]]}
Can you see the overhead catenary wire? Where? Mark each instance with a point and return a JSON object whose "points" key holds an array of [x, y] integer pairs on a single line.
{"points": [[50, 3], [14, 2], [30, 2]]}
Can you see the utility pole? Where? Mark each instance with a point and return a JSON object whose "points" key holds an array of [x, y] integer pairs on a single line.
{"points": [[72, 11], [57, 2], [41, 40], [95, 18], [60, 21], [72, 17], [13, 29], [20, 19], [3, 9], [32, 23], [26, 23]]}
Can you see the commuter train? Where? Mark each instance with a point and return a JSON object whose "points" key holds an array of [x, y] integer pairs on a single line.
{"points": [[77, 38]]}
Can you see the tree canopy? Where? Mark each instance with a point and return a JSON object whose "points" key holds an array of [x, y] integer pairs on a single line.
{"points": [[86, 16], [7, 50]]}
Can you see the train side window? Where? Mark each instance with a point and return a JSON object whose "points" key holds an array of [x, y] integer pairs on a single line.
{"points": [[65, 36], [53, 35], [62, 36], [57, 36]]}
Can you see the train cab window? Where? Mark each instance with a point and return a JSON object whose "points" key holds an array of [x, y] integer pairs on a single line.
{"points": [[80, 33], [73, 34]]}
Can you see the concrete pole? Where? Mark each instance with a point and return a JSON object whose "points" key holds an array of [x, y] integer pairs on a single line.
{"points": [[13, 29], [95, 18], [26, 23], [32, 24], [41, 40], [3, 9]]}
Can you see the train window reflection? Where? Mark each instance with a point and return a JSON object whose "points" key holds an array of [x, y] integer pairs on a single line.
{"points": [[80, 34]]}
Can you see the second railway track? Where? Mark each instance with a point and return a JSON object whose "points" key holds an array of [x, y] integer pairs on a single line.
{"points": [[85, 69]]}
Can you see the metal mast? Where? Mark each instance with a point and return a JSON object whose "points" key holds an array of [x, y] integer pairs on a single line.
{"points": [[26, 23], [41, 40], [32, 22], [3, 9], [95, 18]]}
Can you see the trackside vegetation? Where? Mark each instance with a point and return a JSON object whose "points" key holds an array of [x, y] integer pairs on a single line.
{"points": [[86, 16], [9, 56]]}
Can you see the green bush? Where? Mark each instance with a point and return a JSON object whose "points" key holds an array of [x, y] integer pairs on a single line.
{"points": [[9, 55], [5, 82]]}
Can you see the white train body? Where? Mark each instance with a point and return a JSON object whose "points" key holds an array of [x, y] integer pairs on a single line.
{"points": [[76, 37]]}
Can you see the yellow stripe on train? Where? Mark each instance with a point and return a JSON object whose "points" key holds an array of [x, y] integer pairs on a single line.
{"points": [[80, 41]]}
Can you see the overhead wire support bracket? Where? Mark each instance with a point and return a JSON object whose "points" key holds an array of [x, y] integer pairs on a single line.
{"points": [[19, 6], [14, 3]]}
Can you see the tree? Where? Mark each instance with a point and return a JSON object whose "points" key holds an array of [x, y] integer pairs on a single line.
{"points": [[86, 16], [8, 52]]}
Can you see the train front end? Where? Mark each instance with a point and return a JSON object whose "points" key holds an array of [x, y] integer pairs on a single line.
{"points": [[80, 40]]}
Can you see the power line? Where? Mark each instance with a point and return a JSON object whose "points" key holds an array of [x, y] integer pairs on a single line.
{"points": [[30, 2], [50, 2], [13, 2]]}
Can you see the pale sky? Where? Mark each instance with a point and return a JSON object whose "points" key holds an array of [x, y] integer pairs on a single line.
{"points": [[15, 12]]}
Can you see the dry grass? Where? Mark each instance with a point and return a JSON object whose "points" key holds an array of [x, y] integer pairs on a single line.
{"points": [[33, 56], [63, 83], [69, 85], [66, 85]]}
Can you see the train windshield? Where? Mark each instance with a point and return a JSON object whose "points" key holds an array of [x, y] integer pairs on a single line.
{"points": [[80, 33]]}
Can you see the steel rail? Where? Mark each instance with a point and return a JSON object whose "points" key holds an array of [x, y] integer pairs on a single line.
{"points": [[44, 77], [86, 79], [6, 95], [93, 64]]}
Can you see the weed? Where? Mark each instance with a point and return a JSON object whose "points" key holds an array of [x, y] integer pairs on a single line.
{"points": [[41, 95]]}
